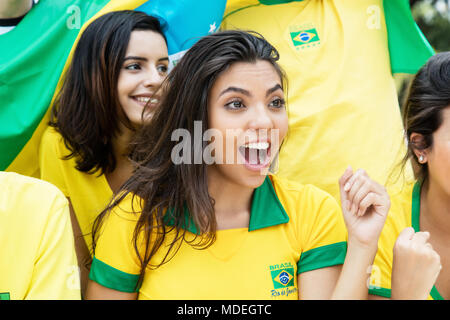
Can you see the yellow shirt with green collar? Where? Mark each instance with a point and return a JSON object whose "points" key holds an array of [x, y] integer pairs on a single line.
{"points": [[293, 229], [342, 100], [404, 213], [37, 253], [89, 194]]}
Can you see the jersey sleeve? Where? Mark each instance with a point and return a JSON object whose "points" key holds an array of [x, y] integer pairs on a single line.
{"points": [[115, 264], [321, 230], [55, 274], [50, 160]]}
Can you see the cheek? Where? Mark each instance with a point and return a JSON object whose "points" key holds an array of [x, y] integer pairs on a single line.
{"points": [[281, 123]]}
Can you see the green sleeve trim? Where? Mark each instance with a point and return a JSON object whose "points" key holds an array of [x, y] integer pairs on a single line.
{"points": [[378, 291], [5, 296], [383, 292], [113, 278], [322, 257], [435, 294]]}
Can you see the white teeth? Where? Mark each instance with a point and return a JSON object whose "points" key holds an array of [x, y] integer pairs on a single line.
{"points": [[142, 99], [257, 145], [154, 100]]}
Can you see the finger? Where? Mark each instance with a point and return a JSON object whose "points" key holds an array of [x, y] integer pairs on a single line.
{"points": [[365, 203], [352, 180], [348, 173], [359, 190], [406, 234], [342, 181], [358, 185], [421, 237]]}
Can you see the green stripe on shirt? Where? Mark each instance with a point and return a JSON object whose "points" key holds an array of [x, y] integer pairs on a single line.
{"points": [[322, 257], [113, 278]]}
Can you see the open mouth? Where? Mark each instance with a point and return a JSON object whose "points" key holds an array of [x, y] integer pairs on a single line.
{"points": [[256, 154]]}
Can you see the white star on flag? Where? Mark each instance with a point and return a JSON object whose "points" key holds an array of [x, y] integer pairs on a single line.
{"points": [[212, 27]]}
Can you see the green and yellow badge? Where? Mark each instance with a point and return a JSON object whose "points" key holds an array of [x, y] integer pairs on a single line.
{"points": [[282, 275]]}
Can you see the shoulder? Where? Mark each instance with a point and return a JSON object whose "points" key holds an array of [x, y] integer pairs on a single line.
{"points": [[126, 208], [30, 198], [17, 184], [52, 142]]}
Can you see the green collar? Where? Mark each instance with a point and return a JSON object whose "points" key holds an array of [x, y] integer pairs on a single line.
{"points": [[266, 211], [415, 223]]}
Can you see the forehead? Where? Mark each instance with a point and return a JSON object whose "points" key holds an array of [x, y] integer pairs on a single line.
{"points": [[146, 43], [249, 75]]}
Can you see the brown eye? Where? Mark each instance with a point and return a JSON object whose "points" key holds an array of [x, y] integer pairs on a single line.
{"points": [[234, 105], [134, 66], [277, 103]]}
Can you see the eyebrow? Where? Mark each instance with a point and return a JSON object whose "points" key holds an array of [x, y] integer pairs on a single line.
{"points": [[247, 93], [143, 59], [275, 88]]}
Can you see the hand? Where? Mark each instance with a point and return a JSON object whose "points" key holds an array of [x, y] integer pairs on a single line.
{"points": [[365, 205], [416, 266]]}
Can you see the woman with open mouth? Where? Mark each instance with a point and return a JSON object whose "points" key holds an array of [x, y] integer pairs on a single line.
{"points": [[111, 87], [224, 228]]}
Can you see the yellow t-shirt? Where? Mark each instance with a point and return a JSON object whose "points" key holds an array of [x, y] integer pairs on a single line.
{"points": [[37, 253], [293, 229], [342, 101], [404, 213], [88, 193]]}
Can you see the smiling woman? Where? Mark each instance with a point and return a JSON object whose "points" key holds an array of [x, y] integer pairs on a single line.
{"points": [[111, 87], [227, 230]]}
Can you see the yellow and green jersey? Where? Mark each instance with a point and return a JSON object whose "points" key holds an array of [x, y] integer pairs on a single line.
{"points": [[293, 228], [341, 99], [404, 213], [88, 193], [37, 253]]}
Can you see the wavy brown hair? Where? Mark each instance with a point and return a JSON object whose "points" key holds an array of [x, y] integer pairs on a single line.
{"points": [[87, 111], [157, 181]]}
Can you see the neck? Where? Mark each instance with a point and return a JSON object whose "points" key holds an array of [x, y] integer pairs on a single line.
{"points": [[435, 207], [124, 168], [232, 202], [121, 144], [14, 8]]}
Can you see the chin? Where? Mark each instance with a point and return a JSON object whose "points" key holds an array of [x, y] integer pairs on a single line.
{"points": [[253, 180]]}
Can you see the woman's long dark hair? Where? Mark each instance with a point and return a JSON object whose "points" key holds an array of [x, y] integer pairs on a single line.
{"points": [[157, 181], [87, 110], [428, 96]]}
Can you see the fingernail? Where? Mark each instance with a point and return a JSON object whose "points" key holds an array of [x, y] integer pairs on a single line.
{"points": [[346, 187]]}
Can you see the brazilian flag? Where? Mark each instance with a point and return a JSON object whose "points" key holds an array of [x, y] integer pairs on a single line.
{"points": [[34, 55]]}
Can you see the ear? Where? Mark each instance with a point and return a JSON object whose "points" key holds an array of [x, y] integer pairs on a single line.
{"points": [[418, 146]]}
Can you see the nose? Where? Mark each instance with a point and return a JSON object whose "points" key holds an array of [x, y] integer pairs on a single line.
{"points": [[260, 118], [153, 78]]}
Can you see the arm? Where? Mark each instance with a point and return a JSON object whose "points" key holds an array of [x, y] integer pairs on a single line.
{"points": [[318, 284], [365, 205], [96, 291]]}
